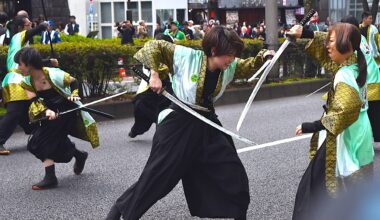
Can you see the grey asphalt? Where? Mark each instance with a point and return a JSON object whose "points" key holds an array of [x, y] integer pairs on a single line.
{"points": [[274, 172]]}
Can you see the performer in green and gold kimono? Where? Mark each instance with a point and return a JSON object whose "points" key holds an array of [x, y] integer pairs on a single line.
{"points": [[341, 148], [14, 96], [316, 50], [371, 33], [51, 91], [372, 37], [185, 148]]}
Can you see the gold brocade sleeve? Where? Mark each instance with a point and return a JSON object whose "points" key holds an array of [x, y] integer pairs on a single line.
{"points": [[374, 92], [316, 48], [25, 86], [67, 79], [156, 53], [36, 110], [377, 40], [247, 67], [344, 109]]}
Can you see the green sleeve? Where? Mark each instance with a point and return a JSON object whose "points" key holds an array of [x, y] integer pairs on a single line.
{"points": [[156, 53], [247, 67]]}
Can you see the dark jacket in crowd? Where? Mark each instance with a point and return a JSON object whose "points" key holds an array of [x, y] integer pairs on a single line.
{"points": [[126, 35], [188, 33]]}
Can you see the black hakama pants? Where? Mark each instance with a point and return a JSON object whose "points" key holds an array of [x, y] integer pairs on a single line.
{"points": [[185, 148], [50, 140], [312, 188], [313, 199], [147, 106], [374, 117]]}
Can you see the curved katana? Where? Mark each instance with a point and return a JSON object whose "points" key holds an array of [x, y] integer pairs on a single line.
{"points": [[318, 90], [259, 71], [194, 113], [268, 69]]}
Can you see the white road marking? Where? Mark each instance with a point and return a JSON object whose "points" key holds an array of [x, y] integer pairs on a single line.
{"points": [[274, 143]]}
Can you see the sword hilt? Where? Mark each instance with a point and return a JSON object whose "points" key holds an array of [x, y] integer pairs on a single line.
{"points": [[307, 17], [302, 23], [44, 118], [140, 74]]}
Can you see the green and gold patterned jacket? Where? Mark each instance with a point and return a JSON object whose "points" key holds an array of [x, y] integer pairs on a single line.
{"points": [[85, 128], [348, 134], [317, 49], [12, 90], [188, 69]]}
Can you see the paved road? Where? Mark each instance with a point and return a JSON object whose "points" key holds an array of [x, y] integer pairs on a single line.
{"points": [[274, 172]]}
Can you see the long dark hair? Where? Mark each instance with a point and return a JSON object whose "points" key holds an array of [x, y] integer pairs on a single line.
{"points": [[348, 37]]}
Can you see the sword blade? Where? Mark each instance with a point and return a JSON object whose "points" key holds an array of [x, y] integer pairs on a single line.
{"points": [[260, 82], [84, 107], [94, 102], [204, 119], [269, 68], [318, 90], [259, 71]]}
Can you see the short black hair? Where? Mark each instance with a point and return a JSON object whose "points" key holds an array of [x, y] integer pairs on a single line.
{"points": [[72, 16], [20, 20], [30, 57], [366, 14], [351, 20], [225, 41], [161, 36], [3, 17]]}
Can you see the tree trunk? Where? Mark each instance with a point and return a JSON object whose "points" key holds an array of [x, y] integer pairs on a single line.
{"points": [[365, 5], [375, 7], [308, 4]]}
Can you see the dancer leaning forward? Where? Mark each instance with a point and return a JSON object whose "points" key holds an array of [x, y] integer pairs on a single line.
{"points": [[185, 148], [51, 91]]}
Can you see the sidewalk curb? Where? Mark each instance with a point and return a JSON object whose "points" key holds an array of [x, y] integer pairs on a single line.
{"points": [[124, 109]]}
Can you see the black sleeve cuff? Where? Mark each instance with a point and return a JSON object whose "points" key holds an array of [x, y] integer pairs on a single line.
{"points": [[74, 85], [307, 33], [35, 31], [46, 62], [312, 127]]}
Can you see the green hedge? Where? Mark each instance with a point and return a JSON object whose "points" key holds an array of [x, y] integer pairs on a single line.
{"points": [[94, 61]]}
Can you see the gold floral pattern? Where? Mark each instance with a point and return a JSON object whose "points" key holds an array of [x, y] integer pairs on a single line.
{"points": [[250, 65], [343, 110], [201, 80], [156, 52], [374, 92], [14, 92]]}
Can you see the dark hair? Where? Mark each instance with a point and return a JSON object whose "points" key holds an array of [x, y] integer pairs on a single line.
{"points": [[224, 40], [20, 21], [161, 36], [30, 57], [366, 14], [3, 17], [350, 20], [14, 25], [72, 16], [348, 37]]}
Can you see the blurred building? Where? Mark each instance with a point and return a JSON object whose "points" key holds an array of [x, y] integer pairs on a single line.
{"points": [[56, 10], [249, 11], [108, 12]]}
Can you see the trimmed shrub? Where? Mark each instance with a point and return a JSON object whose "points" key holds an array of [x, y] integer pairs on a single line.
{"points": [[94, 61]]}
